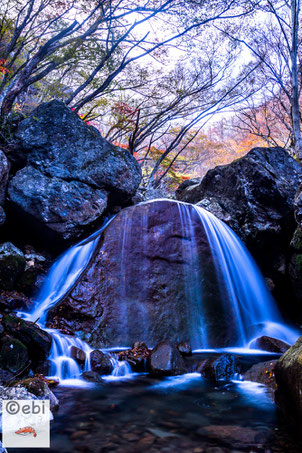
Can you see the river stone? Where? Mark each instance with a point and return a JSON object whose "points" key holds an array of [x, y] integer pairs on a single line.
{"points": [[12, 265], [137, 285], [263, 372], [100, 362], [223, 368], [288, 373], [270, 344], [166, 360], [38, 341], [40, 389], [13, 354]]}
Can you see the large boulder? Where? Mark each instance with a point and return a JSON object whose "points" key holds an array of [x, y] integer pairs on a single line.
{"points": [[288, 373], [37, 341], [100, 362], [166, 360], [65, 208], [257, 192], [146, 280], [70, 170]]}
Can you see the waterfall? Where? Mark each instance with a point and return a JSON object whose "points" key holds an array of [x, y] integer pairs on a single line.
{"points": [[240, 294]]}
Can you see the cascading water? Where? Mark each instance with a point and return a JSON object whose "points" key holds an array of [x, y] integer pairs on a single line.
{"points": [[241, 288], [241, 285]]}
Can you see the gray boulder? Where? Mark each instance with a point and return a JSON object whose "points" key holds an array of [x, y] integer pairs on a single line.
{"points": [[70, 172], [65, 208]]}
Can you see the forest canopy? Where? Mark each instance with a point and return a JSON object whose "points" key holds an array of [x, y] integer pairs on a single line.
{"points": [[183, 85]]}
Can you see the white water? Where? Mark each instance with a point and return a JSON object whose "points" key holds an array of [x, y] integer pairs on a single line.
{"points": [[242, 289]]}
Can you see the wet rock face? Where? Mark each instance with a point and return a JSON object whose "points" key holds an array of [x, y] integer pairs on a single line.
{"points": [[270, 344], [4, 171], [223, 368], [12, 265], [139, 285], [13, 354], [288, 372], [166, 360], [70, 171], [263, 372], [257, 192], [35, 339], [66, 208], [100, 362]]}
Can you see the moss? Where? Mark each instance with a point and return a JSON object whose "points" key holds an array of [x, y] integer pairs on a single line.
{"points": [[296, 241], [299, 263]]}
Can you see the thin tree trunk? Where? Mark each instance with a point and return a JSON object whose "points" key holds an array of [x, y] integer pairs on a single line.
{"points": [[295, 9]]}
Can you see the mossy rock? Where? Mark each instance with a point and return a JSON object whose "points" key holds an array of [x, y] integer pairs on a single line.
{"points": [[37, 340], [12, 265], [296, 241], [13, 354]]}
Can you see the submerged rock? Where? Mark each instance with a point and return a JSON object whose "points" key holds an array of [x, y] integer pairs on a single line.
{"points": [[100, 362], [92, 376], [70, 169], [288, 372], [223, 368], [270, 344], [166, 360]]}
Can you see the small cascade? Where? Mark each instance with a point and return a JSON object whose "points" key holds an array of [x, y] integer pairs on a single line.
{"points": [[121, 368], [63, 275], [63, 366]]}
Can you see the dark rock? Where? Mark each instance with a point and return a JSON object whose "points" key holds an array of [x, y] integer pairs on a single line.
{"points": [[2, 216], [38, 341], [257, 191], [100, 362], [136, 356], [63, 207], [12, 264], [288, 372], [13, 354], [39, 388], [13, 300], [70, 169], [114, 303], [223, 368], [4, 171], [166, 360], [5, 377], [78, 355], [270, 344], [92, 376], [263, 373], [184, 348], [61, 145], [255, 195]]}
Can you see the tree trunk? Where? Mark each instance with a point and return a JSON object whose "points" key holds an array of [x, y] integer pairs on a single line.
{"points": [[295, 9]]}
